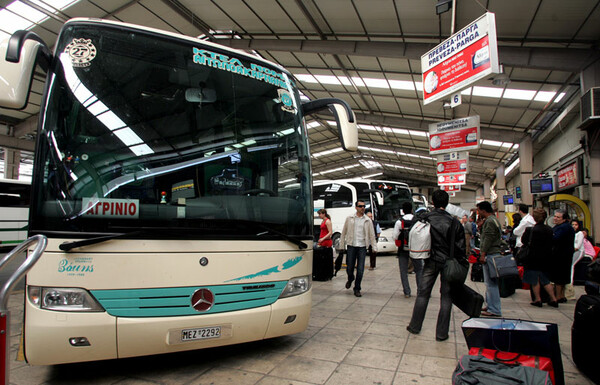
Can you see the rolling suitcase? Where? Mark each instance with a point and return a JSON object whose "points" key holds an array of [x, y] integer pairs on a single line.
{"points": [[507, 285], [467, 300], [322, 264], [585, 335]]}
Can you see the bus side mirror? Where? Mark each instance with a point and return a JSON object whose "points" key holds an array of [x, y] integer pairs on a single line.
{"points": [[344, 117], [18, 57], [379, 197]]}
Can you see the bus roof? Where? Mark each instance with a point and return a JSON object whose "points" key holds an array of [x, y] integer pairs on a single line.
{"points": [[320, 181]]}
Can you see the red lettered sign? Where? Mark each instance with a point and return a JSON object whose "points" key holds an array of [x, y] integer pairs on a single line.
{"points": [[111, 208], [452, 163], [452, 179], [462, 59], [454, 135], [568, 176]]}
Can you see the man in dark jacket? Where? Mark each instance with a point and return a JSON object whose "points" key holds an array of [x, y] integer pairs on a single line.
{"points": [[562, 249], [442, 224]]}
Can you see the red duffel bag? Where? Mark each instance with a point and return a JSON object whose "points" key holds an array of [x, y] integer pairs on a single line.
{"points": [[542, 363]]}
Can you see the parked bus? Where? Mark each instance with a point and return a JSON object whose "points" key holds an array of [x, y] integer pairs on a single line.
{"points": [[156, 180], [14, 212], [383, 198]]}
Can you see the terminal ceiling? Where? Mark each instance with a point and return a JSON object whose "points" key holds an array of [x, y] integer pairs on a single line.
{"points": [[367, 52]]}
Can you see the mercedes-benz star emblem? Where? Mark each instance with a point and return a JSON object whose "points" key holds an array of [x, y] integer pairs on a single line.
{"points": [[203, 299]]}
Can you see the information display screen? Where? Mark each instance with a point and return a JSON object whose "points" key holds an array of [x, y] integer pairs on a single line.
{"points": [[542, 185]]}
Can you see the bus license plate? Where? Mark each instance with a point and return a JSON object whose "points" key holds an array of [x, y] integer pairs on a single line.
{"points": [[200, 333]]}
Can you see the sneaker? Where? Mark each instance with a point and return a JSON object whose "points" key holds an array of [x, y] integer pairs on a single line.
{"points": [[357, 293], [348, 284]]}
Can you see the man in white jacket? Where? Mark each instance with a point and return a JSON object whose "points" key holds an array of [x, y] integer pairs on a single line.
{"points": [[357, 236], [526, 222]]}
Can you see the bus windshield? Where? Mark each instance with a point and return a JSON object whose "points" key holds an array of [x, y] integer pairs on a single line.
{"points": [[394, 195], [145, 131]]}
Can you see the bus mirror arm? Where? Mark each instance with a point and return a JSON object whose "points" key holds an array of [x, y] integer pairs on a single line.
{"points": [[321, 104], [344, 117], [15, 46], [378, 195]]}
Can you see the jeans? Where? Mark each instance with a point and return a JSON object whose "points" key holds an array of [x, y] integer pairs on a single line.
{"points": [[355, 253], [403, 258], [430, 273], [492, 293]]}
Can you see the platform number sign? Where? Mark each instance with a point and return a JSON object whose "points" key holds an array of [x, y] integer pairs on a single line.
{"points": [[456, 100]]}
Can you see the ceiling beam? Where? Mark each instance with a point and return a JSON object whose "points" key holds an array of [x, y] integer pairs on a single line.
{"points": [[17, 144], [560, 59]]}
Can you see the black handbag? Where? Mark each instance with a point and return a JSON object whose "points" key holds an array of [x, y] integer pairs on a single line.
{"points": [[454, 271], [523, 253]]}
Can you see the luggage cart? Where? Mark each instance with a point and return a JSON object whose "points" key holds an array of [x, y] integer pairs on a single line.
{"points": [[5, 291]]}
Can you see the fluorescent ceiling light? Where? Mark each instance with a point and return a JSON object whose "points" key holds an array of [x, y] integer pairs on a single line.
{"points": [[96, 108], [327, 152], [511, 93], [367, 127], [402, 85], [376, 83], [128, 137], [489, 92], [372, 175], [18, 15], [402, 167], [491, 143], [331, 79], [313, 124], [512, 166], [369, 163]]}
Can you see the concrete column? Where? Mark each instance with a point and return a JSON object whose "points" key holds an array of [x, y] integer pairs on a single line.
{"points": [[486, 189], [526, 168], [594, 186], [590, 77], [501, 191], [12, 159]]}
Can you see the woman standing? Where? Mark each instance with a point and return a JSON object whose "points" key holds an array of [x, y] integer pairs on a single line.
{"points": [[326, 229], [537, 264]]}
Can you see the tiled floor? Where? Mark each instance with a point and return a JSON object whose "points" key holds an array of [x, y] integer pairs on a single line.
{"points": [[349, 341]]}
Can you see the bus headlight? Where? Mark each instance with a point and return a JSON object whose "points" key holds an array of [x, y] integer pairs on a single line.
{"points": [[297, 286], [62, 299]]}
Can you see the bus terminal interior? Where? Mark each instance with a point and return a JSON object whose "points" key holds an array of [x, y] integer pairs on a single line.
{"points": [[536, 143]]}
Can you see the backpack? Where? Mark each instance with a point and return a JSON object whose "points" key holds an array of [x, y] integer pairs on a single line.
{"points": [[419, 240], [407, 224]]}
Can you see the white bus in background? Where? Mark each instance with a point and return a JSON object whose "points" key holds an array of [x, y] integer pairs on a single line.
{"points": [[156, 180], [14, 212], [383, 198]]}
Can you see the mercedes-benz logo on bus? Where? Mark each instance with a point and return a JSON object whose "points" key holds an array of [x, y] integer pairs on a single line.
{"points": [[203, 299]]}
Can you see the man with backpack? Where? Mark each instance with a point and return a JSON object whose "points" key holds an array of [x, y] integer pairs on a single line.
{"points": [[442, 226], [401, 231]]}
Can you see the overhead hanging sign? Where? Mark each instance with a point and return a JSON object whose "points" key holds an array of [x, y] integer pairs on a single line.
{"points": [[452, 179], [464, 58], [454, 135], [450, 187], [452, 163]]}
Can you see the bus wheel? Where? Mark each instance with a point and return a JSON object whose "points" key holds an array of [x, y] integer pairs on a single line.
{"points": [[336, 241]]}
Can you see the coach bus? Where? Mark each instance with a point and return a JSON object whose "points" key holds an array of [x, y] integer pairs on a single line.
{"points": [[156, 180], [383, 198], [14, 212]]}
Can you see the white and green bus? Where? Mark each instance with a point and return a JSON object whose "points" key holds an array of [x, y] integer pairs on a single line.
{"points": [[157, 182], [14, 212]]}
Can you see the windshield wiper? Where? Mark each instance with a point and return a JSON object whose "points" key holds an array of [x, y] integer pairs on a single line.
{"points": [[301, 245], [67, 246]]}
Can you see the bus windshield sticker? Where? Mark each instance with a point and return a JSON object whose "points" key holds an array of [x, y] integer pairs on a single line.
{"points": [[111, 208], [225, 63], [81, 52], [275, 269], [286, 100], [333, 188]]}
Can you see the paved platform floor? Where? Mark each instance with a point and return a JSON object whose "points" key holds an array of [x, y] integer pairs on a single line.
{"points": [[349, 341]]}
